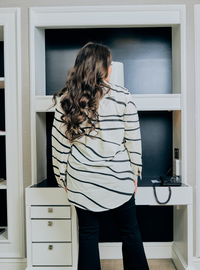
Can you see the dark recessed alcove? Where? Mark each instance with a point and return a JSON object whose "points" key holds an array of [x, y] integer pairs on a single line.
{"points": [[157, 144], [1, 59], [156, 133], [155, 224], [2, 110], [3, 157], [3, 203], [145, 52]]}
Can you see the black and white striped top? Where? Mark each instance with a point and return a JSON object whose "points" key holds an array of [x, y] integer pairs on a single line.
{"points": [[99, 172]]}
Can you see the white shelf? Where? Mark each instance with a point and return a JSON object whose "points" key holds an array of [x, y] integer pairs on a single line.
{"points": [[56, 196], [43, 103], [4, 235], [150, 102], [2, 80], [182, 195], [2, 133], [3, 185], [158, 102]]}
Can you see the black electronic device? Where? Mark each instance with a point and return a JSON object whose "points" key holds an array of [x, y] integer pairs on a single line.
{"points": [[169, 180]]}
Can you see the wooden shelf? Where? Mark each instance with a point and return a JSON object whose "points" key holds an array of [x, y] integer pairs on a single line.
{"points": [[2, 82], [150, 102]]}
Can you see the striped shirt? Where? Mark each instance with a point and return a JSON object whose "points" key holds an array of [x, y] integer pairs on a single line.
{"points": [[99, 172]]}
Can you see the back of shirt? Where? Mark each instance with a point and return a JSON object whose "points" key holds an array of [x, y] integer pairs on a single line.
{"points": [[100, 167]]}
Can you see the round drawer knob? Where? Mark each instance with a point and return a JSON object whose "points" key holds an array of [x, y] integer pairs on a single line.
{"points": [[50, 210], [50, 247], [50, 223]]}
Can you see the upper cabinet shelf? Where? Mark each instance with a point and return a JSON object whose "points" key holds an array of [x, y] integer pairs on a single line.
{"points": [[158, 102], [146, 54], [148, 40], [151, 102]]}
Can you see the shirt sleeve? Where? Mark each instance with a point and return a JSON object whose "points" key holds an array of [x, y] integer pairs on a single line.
{"points": [[132, 137], [60, 148]]}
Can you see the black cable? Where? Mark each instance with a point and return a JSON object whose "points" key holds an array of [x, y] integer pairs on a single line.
{"points": [[169, 197]]}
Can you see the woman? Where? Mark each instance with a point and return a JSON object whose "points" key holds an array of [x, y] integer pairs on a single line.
{"points": [[96, 147]]}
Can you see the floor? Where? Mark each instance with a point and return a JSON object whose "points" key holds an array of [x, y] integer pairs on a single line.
{"points": [[161, 264]]}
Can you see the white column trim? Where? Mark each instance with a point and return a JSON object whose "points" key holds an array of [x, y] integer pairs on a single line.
{"points": [[197, 91]]}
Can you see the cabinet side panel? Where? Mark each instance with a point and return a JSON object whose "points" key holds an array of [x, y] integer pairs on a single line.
{"points": [[41, 146], [181, 231], [177, 140], [176, 60], [40, 84]]}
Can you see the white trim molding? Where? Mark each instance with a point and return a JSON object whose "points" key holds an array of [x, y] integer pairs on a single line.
{"points": [[196, 262], [197, 91], [140, 15], [13, 244], [153, 250], [10, 264]]}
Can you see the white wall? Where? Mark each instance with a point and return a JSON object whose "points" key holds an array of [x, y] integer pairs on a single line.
{"points": [[24, 4]]}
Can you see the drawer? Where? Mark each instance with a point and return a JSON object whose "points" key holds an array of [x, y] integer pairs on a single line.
{"points": [[52, 254], [51, 230], [50, 212]]}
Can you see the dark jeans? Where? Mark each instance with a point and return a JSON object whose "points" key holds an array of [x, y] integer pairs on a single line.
{"points": [[132, 247]]}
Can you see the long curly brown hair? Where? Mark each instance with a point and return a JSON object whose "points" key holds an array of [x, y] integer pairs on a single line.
{"points": [[84, 88]]}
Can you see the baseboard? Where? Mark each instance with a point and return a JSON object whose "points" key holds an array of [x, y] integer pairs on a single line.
{"points": [[179, 261], [110, 250], [13, 264], [158, 250], [196, 262], [51, 268], [113, 251]]}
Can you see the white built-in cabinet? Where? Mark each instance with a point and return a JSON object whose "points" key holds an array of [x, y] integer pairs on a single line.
{"points": [[11, 185], [40, 197]]}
